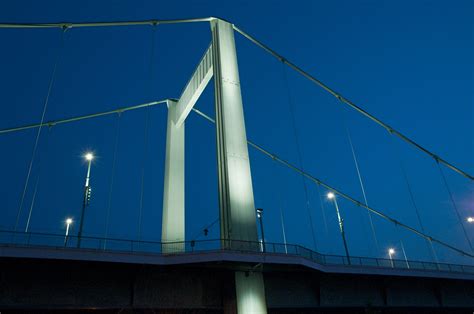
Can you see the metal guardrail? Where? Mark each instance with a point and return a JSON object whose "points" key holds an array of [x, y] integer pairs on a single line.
{"points": [[34, 239]]}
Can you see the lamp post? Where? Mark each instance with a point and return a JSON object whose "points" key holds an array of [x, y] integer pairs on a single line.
{"points": [[332, 196], [86, 197], [260, 219], [68, 223], [391, 251]]}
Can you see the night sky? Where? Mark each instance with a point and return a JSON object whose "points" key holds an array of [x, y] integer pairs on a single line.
{"points": [[410, 63]]}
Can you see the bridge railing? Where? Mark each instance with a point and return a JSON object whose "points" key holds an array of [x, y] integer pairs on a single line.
{"points": [[35, 239]]}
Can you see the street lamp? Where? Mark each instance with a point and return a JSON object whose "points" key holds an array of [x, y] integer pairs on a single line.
{"points": [[332, 196], [87, 195], [470, 219], [68, 224], [391, 251], [260, 219]]}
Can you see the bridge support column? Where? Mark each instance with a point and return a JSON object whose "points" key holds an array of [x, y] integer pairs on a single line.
{"points": [[173, 195], [236, 202], [250, 292]]}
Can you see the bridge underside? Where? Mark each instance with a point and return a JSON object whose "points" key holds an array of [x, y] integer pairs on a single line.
{"points": [[45, 285]]}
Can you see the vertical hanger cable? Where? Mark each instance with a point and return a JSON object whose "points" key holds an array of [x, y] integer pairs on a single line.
{"points": [[300, 158], [38, 133], [146, 134]]}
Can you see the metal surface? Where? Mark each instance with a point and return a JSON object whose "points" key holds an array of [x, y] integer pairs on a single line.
{"points": [[196, 85], [173, 223], [250, 292], [236, 202]]}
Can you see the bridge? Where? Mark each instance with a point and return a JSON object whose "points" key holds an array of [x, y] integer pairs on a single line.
{"points": [[237, 268]]}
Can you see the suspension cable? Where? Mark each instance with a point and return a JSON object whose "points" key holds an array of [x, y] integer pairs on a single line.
{"points": [[79, 118], [353, 105], [32, 205], [112, 175], [412, 198], [298, 149], [455, 206], [146, 131], [281, 204], [103, 24], [38, 133], [402, 246], [400, 240], [342, 194], [361, 182]]}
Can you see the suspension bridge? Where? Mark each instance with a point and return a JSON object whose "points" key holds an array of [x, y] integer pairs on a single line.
{"points": [[229, 264]]}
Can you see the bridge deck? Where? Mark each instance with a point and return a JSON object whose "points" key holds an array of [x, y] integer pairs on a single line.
{"points": [[50, 246]]}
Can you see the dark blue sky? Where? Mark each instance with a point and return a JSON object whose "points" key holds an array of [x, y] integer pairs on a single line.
{"points": [[409, 63]]}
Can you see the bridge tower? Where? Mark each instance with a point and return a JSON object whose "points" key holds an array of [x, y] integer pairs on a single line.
{"points": [[236, 201]]}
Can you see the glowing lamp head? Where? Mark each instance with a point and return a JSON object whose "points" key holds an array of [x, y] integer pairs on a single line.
{"points": [[391, 251], [69, 221], [89, 156], [331, 195], [470, 219]]}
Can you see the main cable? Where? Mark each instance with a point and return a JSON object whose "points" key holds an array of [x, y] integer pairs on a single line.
{"points": [[52, 123], [353, 105], [104, 24]]}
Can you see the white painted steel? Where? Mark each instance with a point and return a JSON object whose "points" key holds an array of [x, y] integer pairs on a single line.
{"points": [[250, 292], [173, 196], [196, 85], [236, 201]]}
